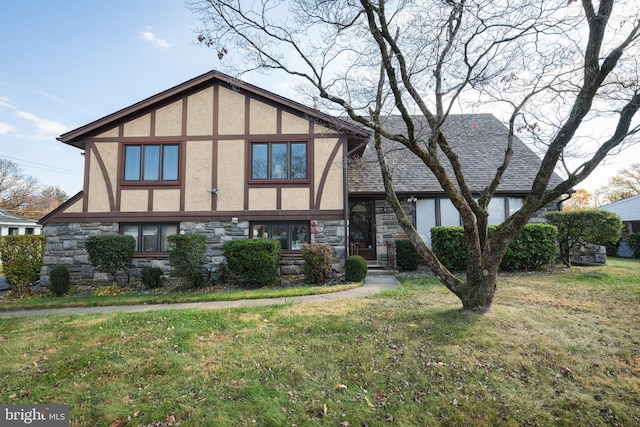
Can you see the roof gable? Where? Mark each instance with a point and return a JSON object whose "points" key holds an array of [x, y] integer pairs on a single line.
{"points": [[75, 137]]}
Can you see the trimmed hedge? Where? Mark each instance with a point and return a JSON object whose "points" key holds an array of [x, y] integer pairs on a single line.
{"points": [[633, 241], [533, 249], [22, 257], [111, 253], [187, 257], [406, 255], [355, 269], [256, 261], [317, 263]]}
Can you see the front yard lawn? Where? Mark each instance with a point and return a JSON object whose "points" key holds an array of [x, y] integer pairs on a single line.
{"points": [[556, 349]]}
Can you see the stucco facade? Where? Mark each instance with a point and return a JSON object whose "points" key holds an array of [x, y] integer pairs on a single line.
{"points": [[213, 156]]}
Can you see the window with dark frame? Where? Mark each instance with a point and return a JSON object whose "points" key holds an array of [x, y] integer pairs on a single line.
{"points": [[292, 235], [278, 161], [151, 162], [150, 237]]}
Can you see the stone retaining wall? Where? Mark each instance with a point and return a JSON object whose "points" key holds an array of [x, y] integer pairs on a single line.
{"points": [[66, 246]]}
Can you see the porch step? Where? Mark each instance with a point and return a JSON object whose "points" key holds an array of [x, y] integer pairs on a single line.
{"points": [[378, 269]]}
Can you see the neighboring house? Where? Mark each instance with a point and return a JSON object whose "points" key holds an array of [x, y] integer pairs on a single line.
{"points": [[221, 157], [629, 212], [10, 224]]}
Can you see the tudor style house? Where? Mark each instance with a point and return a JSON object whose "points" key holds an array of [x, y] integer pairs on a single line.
{"points": [[221, 157]]}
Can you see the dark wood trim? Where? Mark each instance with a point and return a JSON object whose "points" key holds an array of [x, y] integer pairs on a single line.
{"points": [[150, 200], [185, 115], [152, 123], [278, 121], [204, 216], [278, 198], [85, 182]]}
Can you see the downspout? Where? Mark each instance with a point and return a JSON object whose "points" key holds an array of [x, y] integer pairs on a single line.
{"points": [[345, 194]]}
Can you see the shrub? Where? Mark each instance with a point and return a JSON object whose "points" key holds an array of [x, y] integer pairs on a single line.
{"points": [[406, 255], [187, 257], [533, 248], [256, 261], [151, 277], [447, 242], [588, 225], [59, 277], [317, 263], [355, 269], [111, 253], [22, 258], [633, 240]]}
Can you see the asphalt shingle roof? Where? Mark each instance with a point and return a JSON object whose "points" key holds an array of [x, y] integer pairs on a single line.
{"points": [[478, 139]]}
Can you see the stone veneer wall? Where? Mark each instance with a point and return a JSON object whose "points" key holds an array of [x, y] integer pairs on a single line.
{"points": [[65, 246]]}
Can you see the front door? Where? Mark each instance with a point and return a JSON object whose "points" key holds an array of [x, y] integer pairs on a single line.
{"points": [[362, 227]]}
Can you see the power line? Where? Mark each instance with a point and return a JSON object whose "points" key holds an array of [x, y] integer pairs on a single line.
{"points": [[46, 167]]}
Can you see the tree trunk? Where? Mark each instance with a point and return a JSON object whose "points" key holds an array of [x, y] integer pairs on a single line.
{"points": [[479, 289]]}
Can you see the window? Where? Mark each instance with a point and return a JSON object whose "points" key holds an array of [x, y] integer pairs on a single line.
{"points": [[13, 231], [279, 161], [292, 235], [149, 163], [29, 230], [150, 237]]}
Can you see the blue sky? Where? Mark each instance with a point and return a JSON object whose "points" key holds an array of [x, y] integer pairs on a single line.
{"points": [[68, 63]]}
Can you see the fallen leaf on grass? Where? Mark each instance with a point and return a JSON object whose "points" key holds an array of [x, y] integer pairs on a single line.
{"points": [[369, 404], [380, 397], [118, 422], [340, 387], [127, 400]]}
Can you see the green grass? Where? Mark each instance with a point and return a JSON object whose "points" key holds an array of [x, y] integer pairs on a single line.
{"points": [[166, 298], [559, 349]]}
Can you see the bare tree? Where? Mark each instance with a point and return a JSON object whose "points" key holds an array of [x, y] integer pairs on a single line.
{"points": [[551, 66], [23, 196]]}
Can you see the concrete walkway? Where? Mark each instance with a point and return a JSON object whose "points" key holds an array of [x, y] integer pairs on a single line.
{"points": [[373, 284]]}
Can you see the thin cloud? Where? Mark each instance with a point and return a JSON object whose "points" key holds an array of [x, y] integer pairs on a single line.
{"points": [[6, 128], [46, 128], [151, 38]]}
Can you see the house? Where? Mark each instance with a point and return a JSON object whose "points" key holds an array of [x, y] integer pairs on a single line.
{"points": [[224, 158], [629, 212], [10, 224]]}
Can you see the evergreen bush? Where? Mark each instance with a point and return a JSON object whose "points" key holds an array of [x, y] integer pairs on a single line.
{"points": [[110, 253], [587, 225], [633, 241], [355, 269], [406, 255], [22, 257], [59, 278], [151, 277], [317, 263], [256, 261], [187, 257], [535, 247]]}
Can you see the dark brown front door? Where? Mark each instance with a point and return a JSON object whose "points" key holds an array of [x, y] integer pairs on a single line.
{"points": [[362, 228]]}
